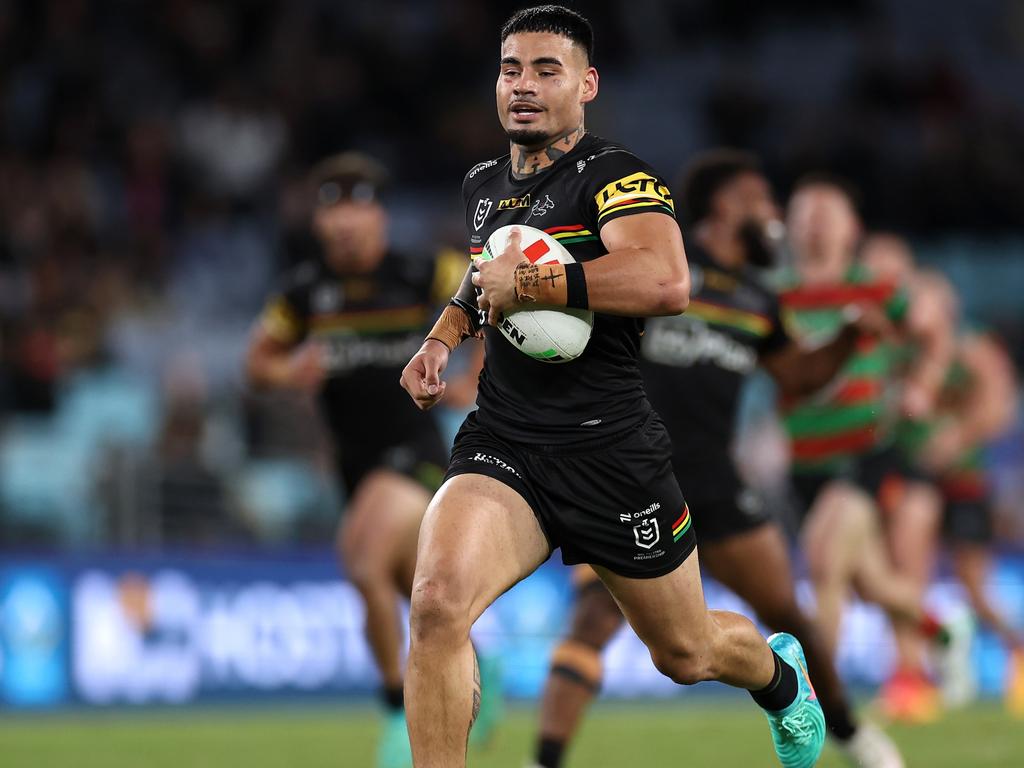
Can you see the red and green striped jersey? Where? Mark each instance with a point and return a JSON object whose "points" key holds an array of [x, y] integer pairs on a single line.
{"points": [[851, 416]]}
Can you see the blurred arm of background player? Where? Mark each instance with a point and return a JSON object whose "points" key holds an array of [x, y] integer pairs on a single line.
{"points": [[271, 362], [990, 407], [930, 326], [800, 371]]}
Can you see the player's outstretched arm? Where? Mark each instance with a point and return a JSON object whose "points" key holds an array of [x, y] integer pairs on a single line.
{"points": [[989, 408], [459, 321], [271, 363], [800, 371], [929, 325]]}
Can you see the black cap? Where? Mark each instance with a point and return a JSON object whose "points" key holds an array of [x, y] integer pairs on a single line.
{"points": [[348, 176]]}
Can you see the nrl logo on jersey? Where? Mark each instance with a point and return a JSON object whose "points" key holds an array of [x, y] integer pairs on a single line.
{"points": [[483, 207]]}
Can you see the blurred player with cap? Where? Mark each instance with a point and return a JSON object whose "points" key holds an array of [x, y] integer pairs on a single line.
{"points": [[341, 326]]}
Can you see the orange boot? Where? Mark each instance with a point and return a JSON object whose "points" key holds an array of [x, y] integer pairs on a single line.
{"points": [[1015, 684], [910, 697]]}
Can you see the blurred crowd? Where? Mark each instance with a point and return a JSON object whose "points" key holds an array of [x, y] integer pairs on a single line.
{"points": [[153, 158]]}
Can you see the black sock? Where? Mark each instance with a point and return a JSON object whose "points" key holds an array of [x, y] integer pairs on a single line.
{"points": [[781, 691], [840, 723], [394, 698], [549, 753]]}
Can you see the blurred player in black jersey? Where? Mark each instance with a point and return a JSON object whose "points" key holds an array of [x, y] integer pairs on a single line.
{"points": [[694, 365], [342, 326], [570, 455]]}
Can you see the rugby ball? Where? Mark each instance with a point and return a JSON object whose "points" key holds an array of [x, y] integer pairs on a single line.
{"points": [[547, 335]]}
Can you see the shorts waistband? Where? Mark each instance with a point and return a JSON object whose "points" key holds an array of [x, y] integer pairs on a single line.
{"points": [[594, 444]]}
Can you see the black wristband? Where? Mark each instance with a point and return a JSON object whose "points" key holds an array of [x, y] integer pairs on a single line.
{"points": [[576, 287]]}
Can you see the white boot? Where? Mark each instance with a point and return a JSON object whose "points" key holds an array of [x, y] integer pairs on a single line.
{"points": [[870, 747]]}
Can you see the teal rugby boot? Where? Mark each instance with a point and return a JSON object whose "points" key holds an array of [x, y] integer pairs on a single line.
{"points": [[798, 730]]}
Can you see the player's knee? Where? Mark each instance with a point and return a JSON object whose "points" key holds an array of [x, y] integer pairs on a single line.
{"points": [[682, 664], [438, 612], [596, 617], [364, 571], [821, 569]]}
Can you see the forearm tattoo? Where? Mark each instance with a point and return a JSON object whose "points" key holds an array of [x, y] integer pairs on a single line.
{"points": [[543, 284], [527, 279]]}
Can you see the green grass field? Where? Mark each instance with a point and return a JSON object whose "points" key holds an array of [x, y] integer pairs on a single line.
{"points": [[722, 734]]}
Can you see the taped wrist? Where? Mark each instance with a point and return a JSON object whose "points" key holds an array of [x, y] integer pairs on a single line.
{"points": [[453, 326], [554, 285]]}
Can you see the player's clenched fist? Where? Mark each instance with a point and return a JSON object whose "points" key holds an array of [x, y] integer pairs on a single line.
{"points": [[496, 279], [421, 378]]}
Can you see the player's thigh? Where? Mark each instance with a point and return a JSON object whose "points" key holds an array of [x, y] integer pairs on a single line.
{"points": [[479, 537], [668, 613], [755, 565], [838, 517], [382, 516], [917, 519]]}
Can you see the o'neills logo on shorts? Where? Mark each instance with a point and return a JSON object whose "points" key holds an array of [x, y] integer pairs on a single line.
{"points": [[494, 461], [628, 518]]}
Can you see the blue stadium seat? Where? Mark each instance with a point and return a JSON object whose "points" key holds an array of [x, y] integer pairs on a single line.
{"points": [[274, 494]]}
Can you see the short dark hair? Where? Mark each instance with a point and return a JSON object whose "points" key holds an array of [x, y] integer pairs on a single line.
{"points": [[552, 18], [707, 173], [825, 179]]}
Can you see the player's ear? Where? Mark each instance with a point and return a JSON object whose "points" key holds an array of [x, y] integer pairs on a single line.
{"points": [[590, 81]]}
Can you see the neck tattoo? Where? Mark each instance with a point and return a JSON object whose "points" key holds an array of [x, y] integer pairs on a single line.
{"points": [[528, 163]]}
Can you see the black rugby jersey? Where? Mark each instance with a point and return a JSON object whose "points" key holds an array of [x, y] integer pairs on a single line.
{"points": [[370, 324], [694, 364], [601, 391]]}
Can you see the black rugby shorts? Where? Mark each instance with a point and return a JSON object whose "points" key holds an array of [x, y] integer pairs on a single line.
{"points": [[873, 472], [721, 504], [612, 502], [418, 453]]}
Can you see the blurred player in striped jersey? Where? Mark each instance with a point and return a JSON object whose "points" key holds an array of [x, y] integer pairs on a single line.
{"points": [[844, 460], [977, 403]]}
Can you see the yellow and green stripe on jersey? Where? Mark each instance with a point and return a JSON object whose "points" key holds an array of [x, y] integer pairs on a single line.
{"points": [[636, 191], [754, 323], [371, 321], [572, 233], [566, 235]]}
